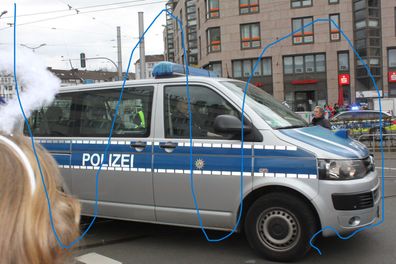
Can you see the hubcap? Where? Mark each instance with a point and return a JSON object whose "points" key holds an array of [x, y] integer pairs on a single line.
{"points": [[278, 229]]}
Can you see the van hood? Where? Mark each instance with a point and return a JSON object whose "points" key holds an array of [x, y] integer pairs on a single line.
{"points": [[326, 140]]}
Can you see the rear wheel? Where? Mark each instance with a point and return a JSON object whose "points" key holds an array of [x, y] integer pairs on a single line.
{"points": [[279, 227]]}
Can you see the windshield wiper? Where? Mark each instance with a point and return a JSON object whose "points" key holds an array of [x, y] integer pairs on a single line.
{"points": [[293, 126]]}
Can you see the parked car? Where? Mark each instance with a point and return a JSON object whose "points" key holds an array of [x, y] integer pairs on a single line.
{"points": [[363, 122]]}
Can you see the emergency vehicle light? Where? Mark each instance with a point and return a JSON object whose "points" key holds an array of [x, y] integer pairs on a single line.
{"points": [[167, 69]]}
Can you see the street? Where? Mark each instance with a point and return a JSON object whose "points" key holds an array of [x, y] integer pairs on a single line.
{"points": [[113, 241]]}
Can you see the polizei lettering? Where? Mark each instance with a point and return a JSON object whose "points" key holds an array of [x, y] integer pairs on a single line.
{"points": [[112, 160]]}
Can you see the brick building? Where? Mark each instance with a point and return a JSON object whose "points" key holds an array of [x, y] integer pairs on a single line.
{"points": [[304, 69]]}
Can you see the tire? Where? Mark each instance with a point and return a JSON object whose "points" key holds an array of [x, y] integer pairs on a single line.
{"points": [[279, 226]]}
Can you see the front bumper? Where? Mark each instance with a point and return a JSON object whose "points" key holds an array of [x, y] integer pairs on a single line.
{"points": [[350, 214]]}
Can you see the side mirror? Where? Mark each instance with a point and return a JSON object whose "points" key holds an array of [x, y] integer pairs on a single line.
{"points": [[228, 124]]}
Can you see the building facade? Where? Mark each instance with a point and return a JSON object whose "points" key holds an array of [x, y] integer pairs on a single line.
{"points": [[151, 60], [7, 86], [67, 78], [75, 76], [313, 65]]}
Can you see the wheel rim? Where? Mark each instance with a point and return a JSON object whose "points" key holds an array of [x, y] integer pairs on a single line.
{"points": [[278, 229]]}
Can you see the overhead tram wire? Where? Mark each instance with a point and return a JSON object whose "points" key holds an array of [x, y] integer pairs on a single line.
{"points": [[78, 8], [87, 12]]}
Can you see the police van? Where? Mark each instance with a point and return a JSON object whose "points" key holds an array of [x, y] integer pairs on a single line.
{"points": [[296, 179]]}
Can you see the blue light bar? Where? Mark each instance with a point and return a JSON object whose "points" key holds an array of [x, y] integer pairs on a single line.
{"points": [[167, 69]]}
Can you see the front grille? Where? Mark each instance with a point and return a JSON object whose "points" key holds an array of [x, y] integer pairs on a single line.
{"points": [[347, 202]]}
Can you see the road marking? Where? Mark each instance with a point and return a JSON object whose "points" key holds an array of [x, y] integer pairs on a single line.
{"points": [[94, 258]]}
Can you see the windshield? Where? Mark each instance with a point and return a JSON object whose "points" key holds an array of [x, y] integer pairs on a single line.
{"points": [[267, 107]]}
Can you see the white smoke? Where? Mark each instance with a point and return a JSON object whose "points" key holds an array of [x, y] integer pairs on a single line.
{"points": [[39, 86]]}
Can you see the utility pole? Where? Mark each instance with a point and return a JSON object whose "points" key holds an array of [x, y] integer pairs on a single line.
{"points": [[142, 52], [119, 53]]}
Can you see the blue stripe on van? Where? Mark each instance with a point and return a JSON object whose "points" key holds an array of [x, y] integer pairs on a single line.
{"points": [[62, 159], [204, 150], [290, 165], [286, 161], [56, 147], [282, 153], [102, 147], [212, 163]]}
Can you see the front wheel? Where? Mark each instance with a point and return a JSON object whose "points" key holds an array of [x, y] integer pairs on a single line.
{"points": [[279, 227]]}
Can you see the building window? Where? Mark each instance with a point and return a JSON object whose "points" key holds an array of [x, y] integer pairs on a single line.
{"points": [[212, 9], [244, 68], [288, 65], [299, 64], [331, 2], [343, 61], [214, 66], [237, 69], [267, 66], [306, 34], [320, 63], [214, 42], [248, 6], [334, 31], [250, 36], [392, 58], [300, 3]]}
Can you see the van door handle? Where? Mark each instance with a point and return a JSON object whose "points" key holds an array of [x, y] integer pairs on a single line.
{"points": [[139, 146], [168, 145]]}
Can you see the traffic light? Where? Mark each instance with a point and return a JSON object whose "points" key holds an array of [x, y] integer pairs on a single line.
{"points": [[82, 60]]}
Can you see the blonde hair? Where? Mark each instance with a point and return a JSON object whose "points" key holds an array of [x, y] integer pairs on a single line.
{"points": [[25, 232]]}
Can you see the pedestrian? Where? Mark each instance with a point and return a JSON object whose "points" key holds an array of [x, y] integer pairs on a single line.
{"points": [[26, 235], [319, 118]]}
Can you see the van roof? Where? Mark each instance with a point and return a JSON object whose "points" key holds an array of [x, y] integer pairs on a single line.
{"points": [[85, 87]]}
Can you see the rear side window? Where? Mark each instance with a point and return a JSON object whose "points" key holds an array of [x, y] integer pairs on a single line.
{"points": [[345, 117], [96, 110], [55, 120], [206, 105]]}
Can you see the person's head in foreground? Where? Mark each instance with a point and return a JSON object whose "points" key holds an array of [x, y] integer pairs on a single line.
{"points": [[25, 232]]}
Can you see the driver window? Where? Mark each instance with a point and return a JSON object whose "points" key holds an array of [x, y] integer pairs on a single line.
{"points": [[206, 105]]}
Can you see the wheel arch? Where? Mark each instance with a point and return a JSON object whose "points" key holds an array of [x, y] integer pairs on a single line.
{"points": [[259, 192]]}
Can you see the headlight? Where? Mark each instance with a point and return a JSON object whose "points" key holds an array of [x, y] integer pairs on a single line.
{"points": [[345, 169]]}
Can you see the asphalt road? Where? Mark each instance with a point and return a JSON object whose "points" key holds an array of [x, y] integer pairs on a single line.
{"points": [[112, 242]]}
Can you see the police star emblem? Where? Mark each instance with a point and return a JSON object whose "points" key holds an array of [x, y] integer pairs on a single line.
{"points": [[199, 164]]}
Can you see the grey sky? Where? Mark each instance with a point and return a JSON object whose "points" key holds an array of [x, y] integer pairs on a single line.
{"points": [[91, 31]]}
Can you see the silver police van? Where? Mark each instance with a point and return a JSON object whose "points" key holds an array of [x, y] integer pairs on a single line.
{"points": [[296, 179]]}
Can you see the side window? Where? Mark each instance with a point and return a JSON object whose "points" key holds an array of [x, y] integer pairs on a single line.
{"points": [[345, 117], [376, 116], [54, 120], [97, 108], [206, 105]]}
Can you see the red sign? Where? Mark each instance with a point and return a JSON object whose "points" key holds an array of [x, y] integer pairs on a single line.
{"points": [[344, 79], [392, 76], [301, 82]]}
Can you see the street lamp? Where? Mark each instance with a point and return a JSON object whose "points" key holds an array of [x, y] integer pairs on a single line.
{"points": [[34, 48]]}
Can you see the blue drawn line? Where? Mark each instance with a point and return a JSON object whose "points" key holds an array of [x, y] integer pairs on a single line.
{"points": [[381, 148], [381, 125], [190, 125], [62, 245]]}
